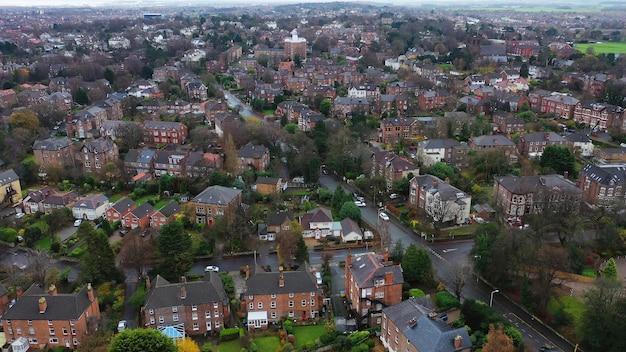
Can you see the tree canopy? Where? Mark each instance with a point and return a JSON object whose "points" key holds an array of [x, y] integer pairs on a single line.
{"points": [[141, 340], [98, 262], [417, 266], [350, 210], [558, 158], [175, 249]]}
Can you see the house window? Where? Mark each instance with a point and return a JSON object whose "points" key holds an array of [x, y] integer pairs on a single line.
{"points": [[215, 305], [161, 320], [64, 331], [251, 297], [216, 313], [273, 304], [380, 294], [152, 320], [31, 331], [312, 303], [194, 307], [87, 163], [291, 314], [49, 322], [175, 317], [260, 305], [33, 341], [273, 315], [54, 340], [74, 330], [290, 304], [273, 295], [151, 311], [194, 316], [208, 325], [207, 315], [75, 341], [51, 331], [304, 302], [251, 306], [30, 322], [290, 295], [174, 309], [19, 331]]}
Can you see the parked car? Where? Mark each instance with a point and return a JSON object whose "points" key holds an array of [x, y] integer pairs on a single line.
{"points": [[213, 268], [394, 196], [121, 326], [123, 232], [384, 216], [19, 215], [360, 203], [77, 222]]}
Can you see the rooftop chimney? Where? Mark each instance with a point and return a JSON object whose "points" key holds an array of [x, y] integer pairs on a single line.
{"points": [[447, 180], [43, 305], [458, 341], [435, 182], [52, 290], [349, 259], [280, 269], [385, 257], [388, 278], [19, 292], [183, 279], [281, 280], [183, 292], [148, 283], [90, 292]]}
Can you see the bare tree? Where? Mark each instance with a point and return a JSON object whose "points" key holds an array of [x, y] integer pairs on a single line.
{"points": [[136, 254], [458, 275], [548, 262]]}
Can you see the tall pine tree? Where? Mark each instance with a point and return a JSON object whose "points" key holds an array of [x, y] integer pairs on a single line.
{"points": [[98, 262], [174, 247]]}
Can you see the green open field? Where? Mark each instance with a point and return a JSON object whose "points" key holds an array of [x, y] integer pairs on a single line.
{"points": [[603, 48], [229, 346]]}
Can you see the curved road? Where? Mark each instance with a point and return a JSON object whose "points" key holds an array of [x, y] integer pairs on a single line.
{"points": [[534, 332]]}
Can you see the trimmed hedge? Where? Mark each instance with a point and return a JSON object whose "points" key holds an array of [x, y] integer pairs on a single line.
{"points": [[445, 300], [416, 293], [230, 334]]}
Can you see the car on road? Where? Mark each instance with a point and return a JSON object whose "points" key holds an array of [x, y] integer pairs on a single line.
{"points": [[213, 268], [393, 196], [122, 325], [19, 215], [384, 216], [360, 203], [77, 222], [548, 348]]}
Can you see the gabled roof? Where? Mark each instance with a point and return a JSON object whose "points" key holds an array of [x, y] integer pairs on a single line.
{"points": [[348, 226], [165, 294], [495, 140], [252, 151], [92, 201], [123, 204], [143, 210], [218, 195], [8, 176], [279, 217], [170, 209], [425, 333], [367, 267], [606, 174], [267, 180], [530, 184], [434, 184], [60, 307], [52, 144], [319, 214], [99, 145], [263, 283], [439, 143]]}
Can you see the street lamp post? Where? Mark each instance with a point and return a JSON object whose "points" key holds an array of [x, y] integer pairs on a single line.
{"points": [[491, 299]]}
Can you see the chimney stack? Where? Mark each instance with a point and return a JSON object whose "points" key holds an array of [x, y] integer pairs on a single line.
{"points": [[566, 174], [90, 292], [52, 290], [183, 292], [435, 183], [43, 305], [183, 279], [349, 259], [280, 269], [458, 341], [385, 257], [447, 180], [281, 280], [19, 292], [148, 283], [388, 278], [248, 271]]}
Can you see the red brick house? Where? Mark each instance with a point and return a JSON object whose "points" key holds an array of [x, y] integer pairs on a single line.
{"points": [[52, 319], [533, 144], [272, 296], [395, 130], [8, 98], [54, 152], [215, 201], [164, 215], [372, 283], [603, 184], [96, 153], [138, 217], [164, 132], [191, 307], [598, 115], [255, 157], [560, 105], [120, 209]]}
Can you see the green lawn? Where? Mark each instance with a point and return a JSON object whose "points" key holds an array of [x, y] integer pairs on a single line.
{"points": [[571, 305], [229, 346], [144, 199], [160, 204], [603, 48], [305, 334], [268, 112], [42, 225], [114, 198], [43, 244], [268, 343]]}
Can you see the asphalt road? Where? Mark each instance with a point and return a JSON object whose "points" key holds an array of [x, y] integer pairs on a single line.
{"points": [[534, 332]]}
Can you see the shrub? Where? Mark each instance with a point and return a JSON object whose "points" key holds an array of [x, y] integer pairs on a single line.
{"points": [[445, 300], [55, 247], [207, 347], [416, 293], [229, 334]]}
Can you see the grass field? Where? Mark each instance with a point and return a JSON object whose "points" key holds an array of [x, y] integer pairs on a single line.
{"points": [[570, 304], [229, 346], [268, 343], [305, 334], [43, 244], [603, 48]]}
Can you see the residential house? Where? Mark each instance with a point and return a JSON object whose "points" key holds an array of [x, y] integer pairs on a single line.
{"points": [[276, 223], [603, 184], [59, 201], [164, 215], [493, 141], [308, 119], [391, 167], [139, 161], [32, 203], [138, 217], [372, 282], [10, 189], [225, 122], [169, 162], [344, 107], [255, 157], [536, 96], [397, 130], [559, 104], [521, 195], [196, 90], [91, 207], [86, 122], [268, 185], [350, 231], [51, 319], [508, 124], [53, 152], [533, 144], [120, 209], [432, 99], [612, 155], [216, 201], [113, 108], [201, 164], [8, 98], [62, 101], [442, 202], [188, 307], [598, 116], [443, 150], [4, 299], [97, 153], [410, 326], [164, 132], [319, 223], [272, 296], [474, 105], [581, 143], [371, 92]]}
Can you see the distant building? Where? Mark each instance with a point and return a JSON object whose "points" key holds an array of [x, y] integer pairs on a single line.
{"points": [[216, 201], [439, 200], [10, 189], [603, 184], [295, 46]]}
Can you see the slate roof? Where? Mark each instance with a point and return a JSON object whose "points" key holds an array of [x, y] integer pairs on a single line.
{"points": [[99, 145], [170, 209], [434, 184], [318, 214], [165, 294], [217, 195], [527, 184], [123, 204], [369, 266], [439, 143], [578, 138], [496, 140], [425, 333], [279, 217], [348, 226], [162, 125], [52, 144], [7, 177], [267, 180], [542, 137], [143, 210], [252, 151], [60, 307], [606, 174], [264, 283], [92, 201]]}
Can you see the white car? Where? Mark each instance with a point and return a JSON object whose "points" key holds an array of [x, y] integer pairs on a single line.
{"points": [[393, 196], [384, 216], [121, 326], [77, 222], [360, 203], [19, 215], [213, 268]]}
